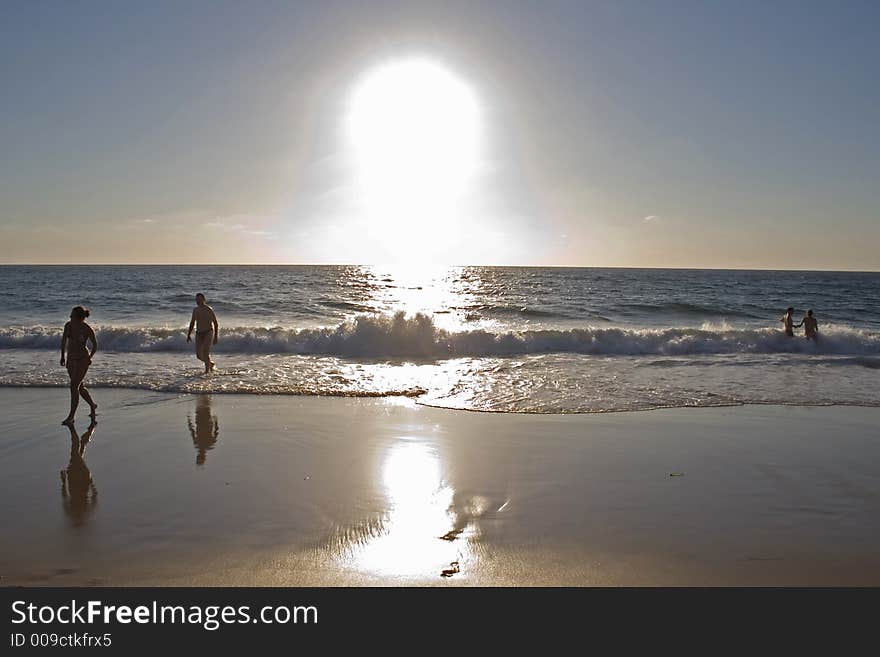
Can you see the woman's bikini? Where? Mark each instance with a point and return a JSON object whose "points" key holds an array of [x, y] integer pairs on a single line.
{"points": [[76, 349]]}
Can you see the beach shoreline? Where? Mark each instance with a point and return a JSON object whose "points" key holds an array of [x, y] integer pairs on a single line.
{"points": [[245, 490]]}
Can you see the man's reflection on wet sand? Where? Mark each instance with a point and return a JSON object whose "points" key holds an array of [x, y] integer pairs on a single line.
{"points": [[205, 429], [78, 492]]}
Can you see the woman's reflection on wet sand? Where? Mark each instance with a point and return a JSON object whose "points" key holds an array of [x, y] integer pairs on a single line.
{"points": [[78, 492], [205, 429]]}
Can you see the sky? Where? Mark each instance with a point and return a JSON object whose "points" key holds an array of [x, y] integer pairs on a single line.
{"points": [[635, 134]]}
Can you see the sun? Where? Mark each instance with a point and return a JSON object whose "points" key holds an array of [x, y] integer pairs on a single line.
{"points": [[415, 132]]}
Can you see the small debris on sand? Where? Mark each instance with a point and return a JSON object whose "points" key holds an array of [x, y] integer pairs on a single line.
{"points": [[449, 572], [451, 535]]}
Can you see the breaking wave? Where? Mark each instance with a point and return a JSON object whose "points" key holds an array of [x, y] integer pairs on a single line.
{"points": [[416, 336]]}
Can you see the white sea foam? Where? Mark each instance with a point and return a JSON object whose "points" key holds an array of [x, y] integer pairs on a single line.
{"points": [[543, 383], [416, 336]]}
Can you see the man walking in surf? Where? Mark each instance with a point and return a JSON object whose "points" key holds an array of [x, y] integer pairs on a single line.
{"points": [[207, 331]]}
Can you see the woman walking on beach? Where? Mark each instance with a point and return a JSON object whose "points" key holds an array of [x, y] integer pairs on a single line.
{"points": [[77, 358]]}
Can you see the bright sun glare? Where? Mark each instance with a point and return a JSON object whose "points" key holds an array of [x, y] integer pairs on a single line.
{"points": [[414, 127]]}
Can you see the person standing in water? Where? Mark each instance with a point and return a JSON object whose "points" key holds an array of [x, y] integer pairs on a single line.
{"points": [[811, 326], [788, 322], [77, 358], [207, 331]]}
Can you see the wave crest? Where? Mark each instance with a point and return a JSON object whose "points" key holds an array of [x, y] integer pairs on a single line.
{"points": [[416, 336]]}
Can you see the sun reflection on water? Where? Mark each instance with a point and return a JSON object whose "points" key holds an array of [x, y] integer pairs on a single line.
{"points": [[446, 294]]}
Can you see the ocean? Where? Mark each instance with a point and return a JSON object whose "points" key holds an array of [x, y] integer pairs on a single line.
{"points": [[505, 339]]}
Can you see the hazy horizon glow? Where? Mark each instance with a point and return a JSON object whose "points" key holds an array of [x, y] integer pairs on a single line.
{"points": [[568, 134]]}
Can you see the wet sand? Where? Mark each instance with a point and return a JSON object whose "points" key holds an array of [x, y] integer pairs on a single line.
{"points": [[272, 490]]}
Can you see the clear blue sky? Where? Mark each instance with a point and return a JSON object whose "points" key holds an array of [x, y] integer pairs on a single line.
{"points": [[682, 134]]}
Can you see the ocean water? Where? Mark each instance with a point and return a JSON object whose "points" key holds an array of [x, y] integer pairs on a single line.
{"points": [[551, 340]]}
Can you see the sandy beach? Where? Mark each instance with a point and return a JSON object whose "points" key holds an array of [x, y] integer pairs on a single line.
{"points": [[284, 490]]}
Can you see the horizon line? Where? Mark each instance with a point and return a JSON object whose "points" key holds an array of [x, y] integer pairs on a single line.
{"points": [[340, 264]]}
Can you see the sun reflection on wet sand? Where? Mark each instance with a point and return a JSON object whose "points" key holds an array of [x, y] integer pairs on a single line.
{"points": [[417, 537]]}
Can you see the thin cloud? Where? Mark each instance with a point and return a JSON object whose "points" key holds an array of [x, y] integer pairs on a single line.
{"points": [[166, 218], [651, 217], [252, 225], [237, 228]]}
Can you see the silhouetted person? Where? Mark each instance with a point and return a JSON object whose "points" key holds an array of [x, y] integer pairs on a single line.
{"points": [[78, 492], [811, 326], [78, 358], [207, 331], [788, 322], [205, 430]]}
